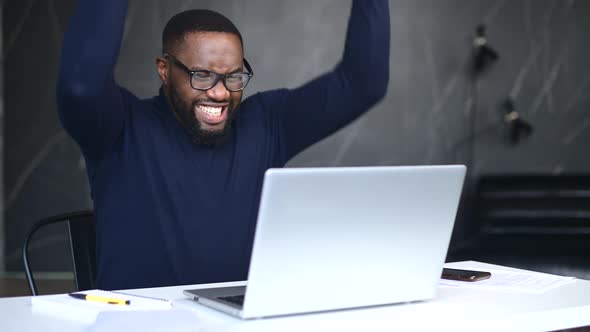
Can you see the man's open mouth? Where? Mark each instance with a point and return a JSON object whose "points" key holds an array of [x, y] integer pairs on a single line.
{"points": [[212, 115]]}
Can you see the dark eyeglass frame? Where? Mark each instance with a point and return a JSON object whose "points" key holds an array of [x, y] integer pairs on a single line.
{"points": [[218, 77]]}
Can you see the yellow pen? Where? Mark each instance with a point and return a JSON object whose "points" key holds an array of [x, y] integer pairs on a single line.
{"points": [[98, 298]]}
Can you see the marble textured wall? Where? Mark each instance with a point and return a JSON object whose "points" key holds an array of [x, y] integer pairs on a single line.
{"points": [[433, 113]]}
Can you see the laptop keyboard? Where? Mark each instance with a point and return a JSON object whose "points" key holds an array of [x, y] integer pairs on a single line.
{"points": [[236, 299]]}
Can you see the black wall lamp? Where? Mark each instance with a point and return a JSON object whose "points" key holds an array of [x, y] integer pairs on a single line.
{"points": [[483, 54], [518, 128]]}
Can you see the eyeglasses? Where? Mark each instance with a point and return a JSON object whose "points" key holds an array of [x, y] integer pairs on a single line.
{"points": [[204, 80]]}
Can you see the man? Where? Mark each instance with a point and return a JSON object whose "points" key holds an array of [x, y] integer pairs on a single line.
{"points": [[176, 179]]}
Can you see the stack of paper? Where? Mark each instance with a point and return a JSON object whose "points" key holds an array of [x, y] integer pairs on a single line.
{"points": [[521, 281], [67, 307]]}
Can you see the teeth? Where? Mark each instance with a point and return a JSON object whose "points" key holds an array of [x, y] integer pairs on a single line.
{"points": [[215, 111]]}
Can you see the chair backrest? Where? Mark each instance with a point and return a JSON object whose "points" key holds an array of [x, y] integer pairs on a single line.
{"points": [[82, 236], [83, 245], [534, 204]]}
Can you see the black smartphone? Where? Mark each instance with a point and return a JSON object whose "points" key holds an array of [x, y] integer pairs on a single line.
{"points": [[465, 275]]}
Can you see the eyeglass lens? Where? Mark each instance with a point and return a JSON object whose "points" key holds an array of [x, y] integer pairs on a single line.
{"points": [[204, 80]]}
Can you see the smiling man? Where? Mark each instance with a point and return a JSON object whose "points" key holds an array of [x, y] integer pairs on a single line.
{"points": [[176, 179], [213, 45]]}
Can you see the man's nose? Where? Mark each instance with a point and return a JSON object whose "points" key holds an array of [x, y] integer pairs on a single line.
{"points": [[218, 92]]}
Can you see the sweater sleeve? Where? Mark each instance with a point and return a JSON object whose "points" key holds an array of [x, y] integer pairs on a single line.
{"points": [[91, 106], [320, 107]]}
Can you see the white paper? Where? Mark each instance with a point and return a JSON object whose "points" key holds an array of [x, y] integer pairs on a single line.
{"points": [[71, 308], [501, 280]]}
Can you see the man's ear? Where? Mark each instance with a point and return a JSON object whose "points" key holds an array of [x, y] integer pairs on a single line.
{"points": [[162, 67]]}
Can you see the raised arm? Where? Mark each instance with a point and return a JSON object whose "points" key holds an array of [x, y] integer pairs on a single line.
{"points": [[90, 104], [331, 101]]}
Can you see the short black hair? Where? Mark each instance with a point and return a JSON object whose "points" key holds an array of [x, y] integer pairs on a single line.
{"points": [[195, 20]]}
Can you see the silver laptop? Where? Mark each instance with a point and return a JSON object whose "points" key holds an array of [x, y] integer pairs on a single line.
{"points": [[337, 238]]}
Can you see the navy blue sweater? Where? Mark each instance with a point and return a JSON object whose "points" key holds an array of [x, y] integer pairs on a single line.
{"points": [[170, 212]]}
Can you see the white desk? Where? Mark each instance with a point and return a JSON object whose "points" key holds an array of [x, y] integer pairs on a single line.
{"points": [[456, 309]]}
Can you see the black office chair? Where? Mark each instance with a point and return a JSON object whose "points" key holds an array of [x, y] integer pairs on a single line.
{"points": [[82, 235], [536, 221]]}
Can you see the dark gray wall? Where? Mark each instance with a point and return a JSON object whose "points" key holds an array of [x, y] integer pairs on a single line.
{"points": [[428, 116]]}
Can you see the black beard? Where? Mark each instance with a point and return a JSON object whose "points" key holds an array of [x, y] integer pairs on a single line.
{"points": [[187, 118]]}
